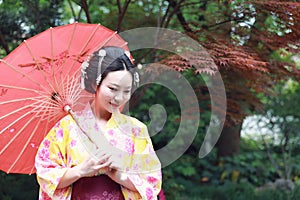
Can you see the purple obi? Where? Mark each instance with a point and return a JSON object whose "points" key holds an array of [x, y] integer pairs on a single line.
{"points": [[96, 188]]}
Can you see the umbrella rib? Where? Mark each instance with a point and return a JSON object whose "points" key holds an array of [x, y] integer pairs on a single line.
{"points": [[20, 72], [19, 100], [26, 144], [47, 107], [21, 117], [15, 111], [36, 62], [64, 89], [45, 133], [84, 97], [72, 37], [24, 89], [98, 47], [39, 109], [16, 135], [41, 93], [19, 132], [52, 112], [52, 89], [125, 43], [107, 40], [52, 56], [84, 46], [72, 90], [68, 49]]}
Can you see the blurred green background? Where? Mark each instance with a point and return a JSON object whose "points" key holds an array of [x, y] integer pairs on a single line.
{"points": [[255, 46]]}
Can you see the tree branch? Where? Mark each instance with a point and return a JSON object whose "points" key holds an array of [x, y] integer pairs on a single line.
{"points": [[85, 7], [163, 19], [72, 10], [3, 43], [122, 11], [176, 6]]}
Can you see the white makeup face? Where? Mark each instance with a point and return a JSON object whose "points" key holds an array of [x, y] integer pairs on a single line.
{"points": [[114, 91]]}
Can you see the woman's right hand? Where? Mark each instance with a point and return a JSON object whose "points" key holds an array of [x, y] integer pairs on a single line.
{"points": [[93, 164]]}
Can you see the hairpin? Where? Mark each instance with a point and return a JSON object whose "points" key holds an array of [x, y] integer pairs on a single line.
{"points": [[101, 54], [136, 79], [84, 65]]}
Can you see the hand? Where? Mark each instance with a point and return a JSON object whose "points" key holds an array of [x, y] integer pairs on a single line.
{"points": [[116, 175], [114, 162], [92, 165], [111, 158]]}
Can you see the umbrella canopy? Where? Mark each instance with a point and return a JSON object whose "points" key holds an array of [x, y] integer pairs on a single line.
{"points": [[37, 80]]}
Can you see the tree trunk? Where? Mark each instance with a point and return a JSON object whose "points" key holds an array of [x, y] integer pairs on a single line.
{"points": [[229, 141], [3, 43]]}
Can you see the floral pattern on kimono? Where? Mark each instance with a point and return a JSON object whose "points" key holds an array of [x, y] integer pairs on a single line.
{"points": [[67, 145]]}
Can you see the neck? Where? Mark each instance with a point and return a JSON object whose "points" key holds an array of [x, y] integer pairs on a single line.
{"points": [[100, 114]]}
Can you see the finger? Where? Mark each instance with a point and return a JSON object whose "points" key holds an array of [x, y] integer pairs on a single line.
{"points": [[110, 162], [115, 165], [103, 151], [100, 166], [100, 152], [103, 159]]}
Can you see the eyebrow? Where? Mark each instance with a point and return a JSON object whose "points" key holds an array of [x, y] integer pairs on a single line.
{"points": [[116, 85]]}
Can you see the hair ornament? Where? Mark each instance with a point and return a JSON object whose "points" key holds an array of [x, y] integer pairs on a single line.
{"points": [[139, 66], [99, 79], [136, 79], [101, 54], [84, 66], [127, 53]]}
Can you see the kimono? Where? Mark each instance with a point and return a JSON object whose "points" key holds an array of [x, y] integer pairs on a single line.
{"points": [[67, 145]]}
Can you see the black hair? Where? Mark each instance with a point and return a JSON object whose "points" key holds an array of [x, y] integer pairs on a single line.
{"points": [[114, 60]]}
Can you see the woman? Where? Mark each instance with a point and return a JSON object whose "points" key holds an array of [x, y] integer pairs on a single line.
{"points": [[104, 154]]}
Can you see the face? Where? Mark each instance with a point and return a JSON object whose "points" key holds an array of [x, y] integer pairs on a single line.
{"points": [[114, 91]]}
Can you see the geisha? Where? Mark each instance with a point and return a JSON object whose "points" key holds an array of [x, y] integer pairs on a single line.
{"points": [[104, 154]]}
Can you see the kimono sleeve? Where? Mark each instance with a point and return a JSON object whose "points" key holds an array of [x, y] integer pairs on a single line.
{"points": [[145, 167], [51, 160]]}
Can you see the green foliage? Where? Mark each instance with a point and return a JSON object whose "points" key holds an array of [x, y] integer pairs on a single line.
{"points": [[282, 55], [189, 177], [281, 122], [276, 25], [238, 191], [229, 178], [40, 15], [18, 187], [10, 25]]}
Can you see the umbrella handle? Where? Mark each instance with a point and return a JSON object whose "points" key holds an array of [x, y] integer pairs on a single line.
{"points": [[68, 109]]}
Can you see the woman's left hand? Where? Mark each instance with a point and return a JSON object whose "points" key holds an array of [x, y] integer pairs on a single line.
{"points": [[115, 168], [112, 159]]}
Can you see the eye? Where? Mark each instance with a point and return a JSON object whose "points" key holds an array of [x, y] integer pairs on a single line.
{"points": [[127, 91], [113, 88]]}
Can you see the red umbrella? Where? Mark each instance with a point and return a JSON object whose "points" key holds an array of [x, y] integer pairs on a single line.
{"points": [[37, 80]]}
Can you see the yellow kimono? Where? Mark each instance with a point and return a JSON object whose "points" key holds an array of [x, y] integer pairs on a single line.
{"points": [[66, 145]]}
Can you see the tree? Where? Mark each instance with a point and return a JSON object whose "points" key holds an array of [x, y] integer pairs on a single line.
{"points": [[21, 20], [281, 117], [241, 37], [10, 26]]}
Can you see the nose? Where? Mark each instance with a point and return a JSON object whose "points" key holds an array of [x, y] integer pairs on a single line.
{"points": [[118, 97]]}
